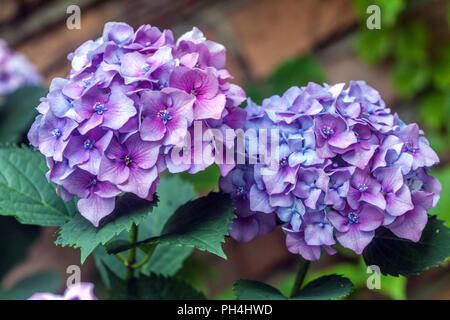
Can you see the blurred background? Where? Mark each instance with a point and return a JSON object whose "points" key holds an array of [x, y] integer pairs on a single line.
{"points": [[272, 45]]}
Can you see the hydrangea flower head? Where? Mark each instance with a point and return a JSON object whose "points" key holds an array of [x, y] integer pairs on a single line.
{"points": [[346, 166], [131, 100], [79, 291], [15, 71]]}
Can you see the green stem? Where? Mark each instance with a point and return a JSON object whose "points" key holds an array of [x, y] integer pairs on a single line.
{"points": [[143, 261], [301, 274], [132, 253], [122, 259]]}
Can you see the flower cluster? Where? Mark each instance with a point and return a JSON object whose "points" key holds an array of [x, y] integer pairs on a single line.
{"points": [[79, 291], [15, 70], [344, 167], [130, 102]]}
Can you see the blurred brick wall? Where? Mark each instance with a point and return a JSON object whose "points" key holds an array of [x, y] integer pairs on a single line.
{"points": [[259, 34]]}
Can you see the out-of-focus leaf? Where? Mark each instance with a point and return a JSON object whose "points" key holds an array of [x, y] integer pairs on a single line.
{"points": [[296, 72], [15, 239], [409, 79], [18, 112], [442, 210], [374, 45], [434, 110], [151, 287], [411, 43], [390, 10], [40, 282], [258, 92], [438, 141], [441, 69]]}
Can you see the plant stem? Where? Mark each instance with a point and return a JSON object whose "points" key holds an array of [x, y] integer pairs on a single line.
{"points": [[301, 274], [121, 258], [150, 249], [132, 253]]}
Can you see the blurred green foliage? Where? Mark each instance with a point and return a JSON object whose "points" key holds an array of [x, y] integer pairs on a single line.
{"points": [[18, 238], [443, 209], [392, 287], [294, 72], [419, 61]]}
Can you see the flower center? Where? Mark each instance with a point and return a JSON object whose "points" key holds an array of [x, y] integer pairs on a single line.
{"points": [[86, 82], [93, 181], [240, 191], [353, 218], [128, 160], [327, 131], [165, 116], [56, 133], [146, 68], [283, 162], [99, 108], [194, 92], [363, 187], [88, 144], [409, 147]]}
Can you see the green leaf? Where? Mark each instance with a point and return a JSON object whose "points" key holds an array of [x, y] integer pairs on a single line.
{"points": [[40, 282], [203, 181], [441, 69], [325, 288], [258, 91], [173, 192], [390, 10], [80, 233], [396, 256], [166, 260], [411, 43], [153, 287], [19, 238], [255, 290], [18, 112], [442, 210], [374, 45], [409, 78], [25, 192], [202, 223], [434, 109], [296, 72]]}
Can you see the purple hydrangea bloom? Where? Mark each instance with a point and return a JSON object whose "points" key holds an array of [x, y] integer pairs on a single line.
{"points": [[166, 115], [203, 85], [345, 167], [355, 228], [131, 98], [15, 71], [79, 291]]}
